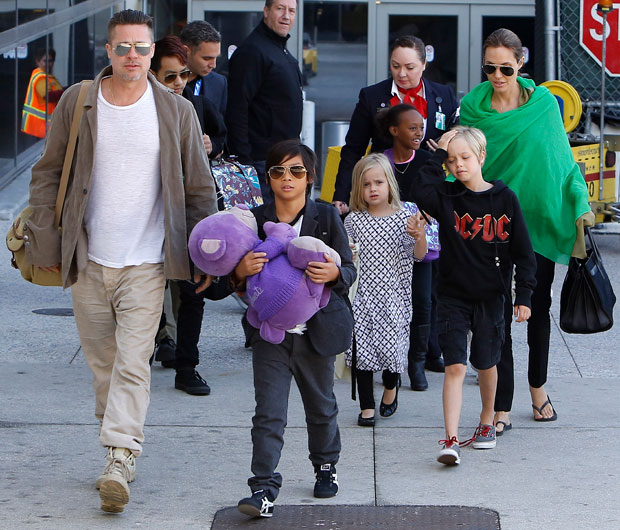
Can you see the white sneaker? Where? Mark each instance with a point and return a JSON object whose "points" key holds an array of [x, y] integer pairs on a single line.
{"points": [[113, 482]]}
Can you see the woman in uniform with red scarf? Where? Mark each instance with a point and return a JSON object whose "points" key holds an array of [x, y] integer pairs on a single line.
{"points": [[436, 103]]}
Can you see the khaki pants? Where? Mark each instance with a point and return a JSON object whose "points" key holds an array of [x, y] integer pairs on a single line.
{"points": [[117, 312]]}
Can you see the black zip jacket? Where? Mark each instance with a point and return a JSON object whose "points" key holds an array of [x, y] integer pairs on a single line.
{"points": [[331, 329], [482, 235], [265, 102]]}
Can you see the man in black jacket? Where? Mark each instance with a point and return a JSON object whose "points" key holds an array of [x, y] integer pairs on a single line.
{"points": [[264, 89]]}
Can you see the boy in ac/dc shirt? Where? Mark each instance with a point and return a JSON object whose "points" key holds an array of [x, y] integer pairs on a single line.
{"points": [[482, 234]]}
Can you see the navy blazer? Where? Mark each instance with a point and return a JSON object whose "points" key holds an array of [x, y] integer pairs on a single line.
{"points": [[215, 88], [331, 329], [363, 128], [211, 120]]}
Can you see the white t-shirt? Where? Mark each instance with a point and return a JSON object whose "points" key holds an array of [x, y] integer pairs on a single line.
{"points": [[299, 328], [124, 214]]}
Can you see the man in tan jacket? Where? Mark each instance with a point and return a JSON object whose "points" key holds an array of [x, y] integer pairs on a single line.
{"points": [[139, 183]]}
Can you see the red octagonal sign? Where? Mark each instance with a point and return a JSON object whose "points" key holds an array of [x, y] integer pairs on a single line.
{"points": [[591, 35]]}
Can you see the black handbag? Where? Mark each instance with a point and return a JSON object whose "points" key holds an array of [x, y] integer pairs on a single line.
{"points": [[587, 299]]}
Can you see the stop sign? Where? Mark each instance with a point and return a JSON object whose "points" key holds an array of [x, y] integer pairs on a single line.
{"points": [[591, 35]]}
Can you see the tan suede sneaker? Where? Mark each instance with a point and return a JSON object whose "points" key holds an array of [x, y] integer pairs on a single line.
{"points": [[113, 483], [130, 464]]}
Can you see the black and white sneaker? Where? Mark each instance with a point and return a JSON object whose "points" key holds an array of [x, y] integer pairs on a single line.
{"points": [[258, 505], [326, 484]]}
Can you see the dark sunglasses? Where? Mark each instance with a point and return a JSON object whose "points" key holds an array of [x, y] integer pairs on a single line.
{"points": [[122, 49], [277, 172], [489, 69], [184, 75]]}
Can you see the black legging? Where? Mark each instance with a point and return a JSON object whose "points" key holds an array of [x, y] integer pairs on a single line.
{"points": [[538, 333], [365, 382]]}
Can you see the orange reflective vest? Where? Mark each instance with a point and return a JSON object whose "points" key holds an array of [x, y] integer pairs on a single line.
{"points": [[35, 116]]}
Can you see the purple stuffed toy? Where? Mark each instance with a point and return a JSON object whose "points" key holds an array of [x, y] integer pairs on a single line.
{"points": [[281, 296]]}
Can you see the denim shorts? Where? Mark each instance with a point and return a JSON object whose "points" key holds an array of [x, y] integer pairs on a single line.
{"points": [[485, 318]]}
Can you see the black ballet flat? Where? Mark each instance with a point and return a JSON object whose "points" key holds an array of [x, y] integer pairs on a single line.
{"points": [[366, 422], [387, 410]]}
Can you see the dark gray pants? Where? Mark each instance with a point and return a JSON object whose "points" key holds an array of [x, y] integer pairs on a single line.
{"points": [[274, 366]]}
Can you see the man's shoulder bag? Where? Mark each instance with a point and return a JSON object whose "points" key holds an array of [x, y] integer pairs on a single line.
{"points": [[15, 236]]}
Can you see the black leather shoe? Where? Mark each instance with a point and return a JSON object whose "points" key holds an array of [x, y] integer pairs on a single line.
{"points": [[166, 351], [418, 377], [387, 410], [366, 422], [435, 365]]}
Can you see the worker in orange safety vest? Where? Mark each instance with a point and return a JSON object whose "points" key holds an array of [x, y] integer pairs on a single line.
{"points": [[42, 86]]}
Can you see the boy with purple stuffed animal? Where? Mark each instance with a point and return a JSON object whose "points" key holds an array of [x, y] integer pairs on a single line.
{"points": [[311, 301]]}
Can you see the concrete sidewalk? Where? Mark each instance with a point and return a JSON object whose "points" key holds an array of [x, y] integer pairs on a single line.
{"points": [[561, 475]]}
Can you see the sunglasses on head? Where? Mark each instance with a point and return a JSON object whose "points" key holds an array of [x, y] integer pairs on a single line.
{"points": [[489, 69], [122, 48], [184, 75], [277, 172]]}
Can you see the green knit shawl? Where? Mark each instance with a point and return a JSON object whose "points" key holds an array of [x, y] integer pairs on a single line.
{"points": [[528, 149]]}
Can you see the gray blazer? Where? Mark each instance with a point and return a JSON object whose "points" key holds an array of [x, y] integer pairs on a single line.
{"points": [[187, 186]]}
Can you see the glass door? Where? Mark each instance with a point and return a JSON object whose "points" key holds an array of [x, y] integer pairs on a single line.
{"points": [[486, 19], [443, 28], [235, 21], [454, 30]]}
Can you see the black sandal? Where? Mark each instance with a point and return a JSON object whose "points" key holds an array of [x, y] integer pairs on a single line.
{"points": [[540, 409], [507, 427]]}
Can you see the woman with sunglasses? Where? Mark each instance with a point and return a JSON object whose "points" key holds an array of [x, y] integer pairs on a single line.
{"points": [[528, 149], [308, 351], [436, 103], [169, 65]]}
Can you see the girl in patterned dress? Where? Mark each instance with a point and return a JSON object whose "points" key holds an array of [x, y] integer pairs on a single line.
{"points": [[388, 239]]}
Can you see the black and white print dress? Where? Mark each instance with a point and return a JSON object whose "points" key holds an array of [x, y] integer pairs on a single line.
{"points": [[382, 304]]}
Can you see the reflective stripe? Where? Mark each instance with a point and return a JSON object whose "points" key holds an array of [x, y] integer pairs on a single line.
{"points": [[35, 116], [29, 109]]}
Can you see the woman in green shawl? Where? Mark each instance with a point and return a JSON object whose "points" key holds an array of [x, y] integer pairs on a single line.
{"points": [[528, 149]]}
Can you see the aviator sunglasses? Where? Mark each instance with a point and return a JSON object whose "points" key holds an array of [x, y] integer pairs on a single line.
{"points": [[184, 75], [142, 48], [489, 69], [277, 172]]}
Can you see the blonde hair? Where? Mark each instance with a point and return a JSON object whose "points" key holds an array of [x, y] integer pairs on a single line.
{"points": [[474, 138], [357, 202]]}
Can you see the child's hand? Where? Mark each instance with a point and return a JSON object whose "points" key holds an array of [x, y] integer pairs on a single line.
{"points": [[320, 272], [522, 313], [415, 227], [354, 248], [252, 263], [445, 139], [202, 282]]}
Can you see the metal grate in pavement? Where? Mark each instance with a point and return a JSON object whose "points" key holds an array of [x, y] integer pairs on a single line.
{"points": [[346, 517]]}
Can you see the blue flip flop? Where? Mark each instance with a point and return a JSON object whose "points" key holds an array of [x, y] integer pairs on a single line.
{"points": [[539, 410]]}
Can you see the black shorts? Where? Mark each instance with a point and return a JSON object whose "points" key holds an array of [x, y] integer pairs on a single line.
{"points": [[485, 318]]}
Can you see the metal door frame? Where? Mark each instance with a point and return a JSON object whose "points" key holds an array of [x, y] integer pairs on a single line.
{"points": [[475, 46], [378, 55]]}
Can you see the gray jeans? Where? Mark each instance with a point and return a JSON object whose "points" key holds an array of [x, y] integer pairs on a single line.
{"points": [[274, 366]]}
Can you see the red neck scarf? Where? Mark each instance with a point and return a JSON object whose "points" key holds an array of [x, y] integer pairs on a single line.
{"points": [[412, 97]]}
